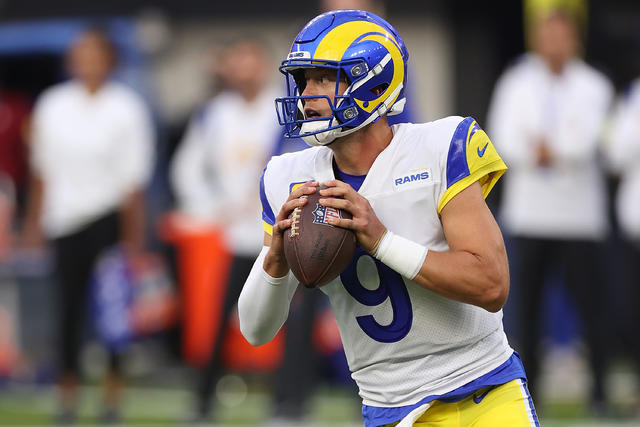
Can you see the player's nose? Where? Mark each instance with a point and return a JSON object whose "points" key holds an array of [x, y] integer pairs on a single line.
{"points": [[310, 89]]}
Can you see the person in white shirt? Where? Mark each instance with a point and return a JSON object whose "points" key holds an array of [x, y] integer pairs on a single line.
{"points": [[214, 171], [624, 155], [545, 117], [91, 158]]}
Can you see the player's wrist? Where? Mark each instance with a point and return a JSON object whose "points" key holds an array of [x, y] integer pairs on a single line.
{"points": [[376, 244], [275, 265], [401, 254]]}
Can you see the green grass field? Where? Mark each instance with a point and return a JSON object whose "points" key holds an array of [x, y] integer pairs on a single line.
{"points": [[146, 406]]}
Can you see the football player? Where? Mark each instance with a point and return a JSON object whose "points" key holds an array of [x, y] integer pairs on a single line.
{"points": [[419, 307]]}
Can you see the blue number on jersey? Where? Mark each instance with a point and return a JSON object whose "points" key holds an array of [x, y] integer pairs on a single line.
{"points": [[391, 286]]}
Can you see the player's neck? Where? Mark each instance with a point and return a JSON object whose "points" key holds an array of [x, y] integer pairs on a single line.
{"points": [[355, 153]]}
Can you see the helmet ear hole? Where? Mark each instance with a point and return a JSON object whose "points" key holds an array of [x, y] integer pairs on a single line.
{"points": [[377, 90]]}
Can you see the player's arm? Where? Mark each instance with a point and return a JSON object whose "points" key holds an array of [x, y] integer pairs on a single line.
{"points": [[263, 305], [475, 269]]}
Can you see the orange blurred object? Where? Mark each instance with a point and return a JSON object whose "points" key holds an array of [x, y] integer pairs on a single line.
{"points": [[204, 260], [203, 266], [239, 355]]}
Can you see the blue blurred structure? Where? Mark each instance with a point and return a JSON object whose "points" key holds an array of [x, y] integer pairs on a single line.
{"points": [[54, 37]]}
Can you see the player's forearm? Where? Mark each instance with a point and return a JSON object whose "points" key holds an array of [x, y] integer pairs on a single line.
{"points": [[481, 280], [263, 305]]}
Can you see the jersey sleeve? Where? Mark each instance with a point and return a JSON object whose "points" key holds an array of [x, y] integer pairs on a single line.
{"points": [[268, 217], [471, 157]]}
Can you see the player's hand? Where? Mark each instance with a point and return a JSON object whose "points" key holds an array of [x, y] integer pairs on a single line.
{"points": [[364, 222], [275, 263]]}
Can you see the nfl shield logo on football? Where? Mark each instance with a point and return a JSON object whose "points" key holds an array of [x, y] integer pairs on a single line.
{"points": [[322, 213]]}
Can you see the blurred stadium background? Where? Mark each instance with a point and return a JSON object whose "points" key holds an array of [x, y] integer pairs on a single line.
{"points": [[457, 49]]}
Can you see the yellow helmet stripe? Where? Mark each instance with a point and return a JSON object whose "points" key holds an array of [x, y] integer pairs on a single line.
{"points": [[398, 72], [337, 41]]}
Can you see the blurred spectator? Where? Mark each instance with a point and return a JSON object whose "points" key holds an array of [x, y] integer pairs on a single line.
{"points": [[14, 117], [624, 155], [216, 171], [545, 118], [297, 377], [91, 157]]}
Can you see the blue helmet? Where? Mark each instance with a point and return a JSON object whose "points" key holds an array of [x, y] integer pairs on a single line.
{"points": [[362, 48]]}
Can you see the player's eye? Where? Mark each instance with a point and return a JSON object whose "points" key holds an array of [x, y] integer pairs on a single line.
{"points": [[324, 80]]}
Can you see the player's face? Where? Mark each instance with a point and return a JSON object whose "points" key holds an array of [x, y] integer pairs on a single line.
{"points": [[320, 82]]}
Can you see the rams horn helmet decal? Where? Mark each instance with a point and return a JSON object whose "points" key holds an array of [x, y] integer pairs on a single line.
{"points": [[360, 47]]}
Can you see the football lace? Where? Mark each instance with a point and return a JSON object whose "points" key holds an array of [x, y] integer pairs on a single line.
{"points": [[295, 217]]}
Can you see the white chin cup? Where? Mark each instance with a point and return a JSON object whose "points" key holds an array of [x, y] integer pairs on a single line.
{"points": [[320, 138]]}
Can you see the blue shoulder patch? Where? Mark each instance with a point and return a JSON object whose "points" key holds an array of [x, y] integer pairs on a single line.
{"points": [[457, 167], [267, 213]]}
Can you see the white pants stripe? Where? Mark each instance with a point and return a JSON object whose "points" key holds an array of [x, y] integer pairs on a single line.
{"points": [[528, 403]]}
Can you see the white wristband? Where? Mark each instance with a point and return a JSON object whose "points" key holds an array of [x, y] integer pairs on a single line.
{"points": [[400, 254], [275, 281]]}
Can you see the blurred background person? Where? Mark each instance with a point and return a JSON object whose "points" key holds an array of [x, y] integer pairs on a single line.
{"points": [[545, 117], [216, 171], [624, 156], [14, 121], [91, 158]]}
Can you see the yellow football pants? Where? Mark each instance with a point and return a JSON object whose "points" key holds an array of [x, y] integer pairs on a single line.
{"points": [[504, 405]]}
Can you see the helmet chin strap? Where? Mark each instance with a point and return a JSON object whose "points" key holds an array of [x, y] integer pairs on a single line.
{"points": [[320, 138]]}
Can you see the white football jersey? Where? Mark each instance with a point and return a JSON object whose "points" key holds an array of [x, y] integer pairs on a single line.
{"points": [[402, 341]]}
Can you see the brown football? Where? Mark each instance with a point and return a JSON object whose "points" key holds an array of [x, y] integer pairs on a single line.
{"points": [[316, 251]]}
